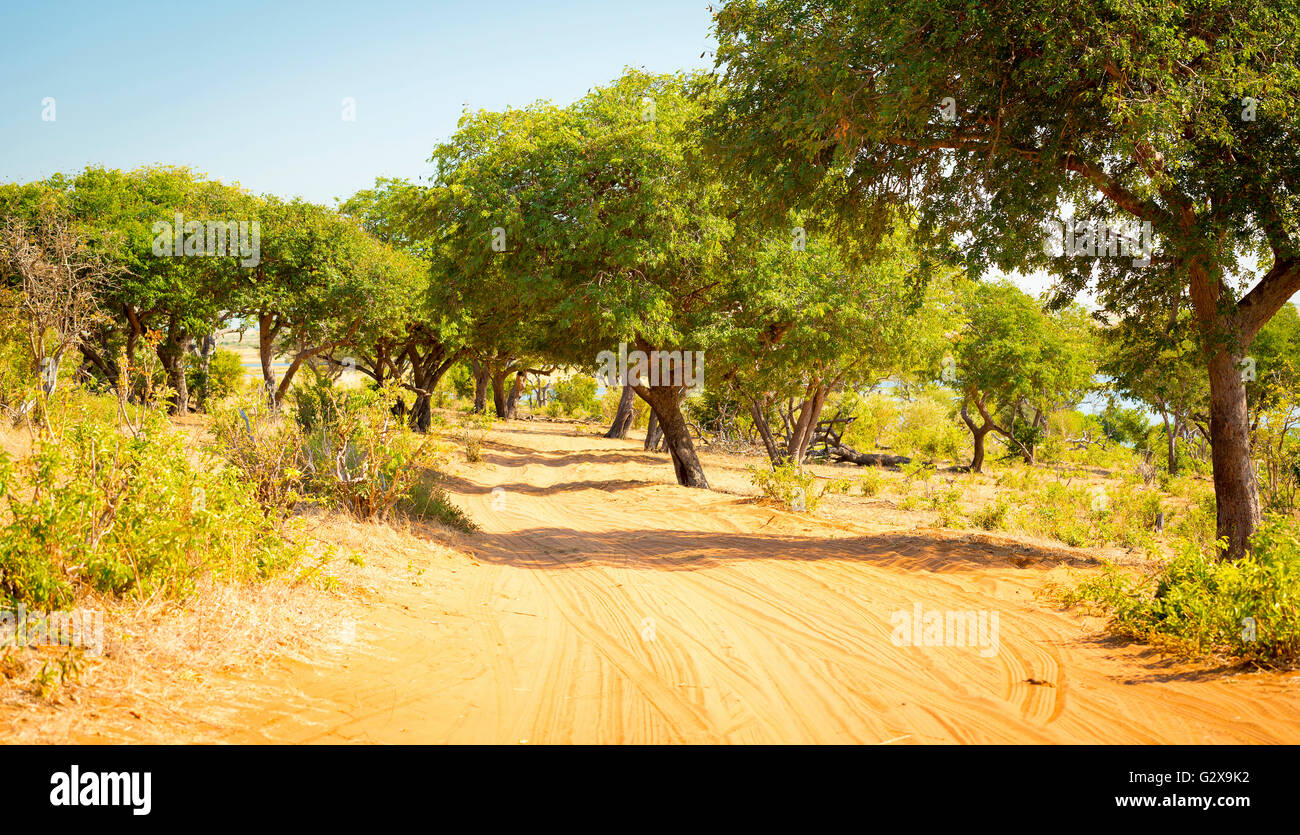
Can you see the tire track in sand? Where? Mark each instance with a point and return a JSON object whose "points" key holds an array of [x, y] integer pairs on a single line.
{"points": [[763, 627]]}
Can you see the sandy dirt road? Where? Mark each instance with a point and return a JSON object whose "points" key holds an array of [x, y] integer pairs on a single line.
{"points": [[602, 604]]}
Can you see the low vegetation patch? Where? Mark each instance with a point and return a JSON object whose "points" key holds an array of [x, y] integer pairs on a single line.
{"points": [[343, 449], [1201, 606], [95, 508], [789, 485]]}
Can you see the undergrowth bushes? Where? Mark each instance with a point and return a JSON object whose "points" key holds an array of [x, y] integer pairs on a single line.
{"points": [[1197, 605], [471, 432], [110, 499], [344, 449], [575, 396], [96, 508], [268, 454], [788, 484]]}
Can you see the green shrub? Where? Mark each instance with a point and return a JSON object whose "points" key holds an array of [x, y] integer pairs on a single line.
{"points": [[313, 400], [1197, 523], [788, 485], [344, 449], [869, 482], [225, 375], [1124, 425], [719, 413], [946, 503], [473, 430], [18, 379], [1081, 439], [992, 515], [1073, 532], [929, 429], [461, 380], [837, 486], [1130, 517], [919, 471], [1052, 510], [876, 419], [472, 438], [363, 459], [1018, 477], [120, 513], [576, 395], [267, 451], [1204, 607]]}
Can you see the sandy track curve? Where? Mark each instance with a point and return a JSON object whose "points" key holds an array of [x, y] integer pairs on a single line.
{"points": [[602, 604]]}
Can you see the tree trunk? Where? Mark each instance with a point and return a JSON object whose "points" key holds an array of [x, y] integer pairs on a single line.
{"points": [[978, 437], [1029, 449], [652, 434], [171, 353], [207, 347], [624, 416], [380, 365], [1171, 438], [1226, 337], [421, 410], [135, 330], [173, 362], [309, 354], [666, 403], [103, 363], [1235, 488], [265, 351], [426, 373], [499, 392], [868, 459], [482, 379], [516, 391], [978, 434], [422, 413], [759, 414], [809, 414]]}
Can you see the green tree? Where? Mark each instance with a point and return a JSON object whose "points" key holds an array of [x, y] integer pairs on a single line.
{"points": [[990, 117], [426, 338], [322, 282], [609, 228], [805, 321], [168, 290], [1016, 364], [1165, 371]]}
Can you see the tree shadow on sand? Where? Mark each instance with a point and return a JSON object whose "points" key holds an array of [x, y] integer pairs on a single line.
{"points": [[552, 548]]}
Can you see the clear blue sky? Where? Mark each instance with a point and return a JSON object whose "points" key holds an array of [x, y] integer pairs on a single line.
{"points": [[251, 92]]}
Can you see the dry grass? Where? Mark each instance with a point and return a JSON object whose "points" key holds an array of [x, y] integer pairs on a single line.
{"points": [[195, 664]]}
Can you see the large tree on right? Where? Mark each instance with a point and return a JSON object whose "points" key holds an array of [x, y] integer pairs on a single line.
{"points": [[991, 117]]}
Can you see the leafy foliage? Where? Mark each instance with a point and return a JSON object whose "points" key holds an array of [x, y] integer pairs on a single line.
{"points": [[118, 513], [1248, 609]]}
